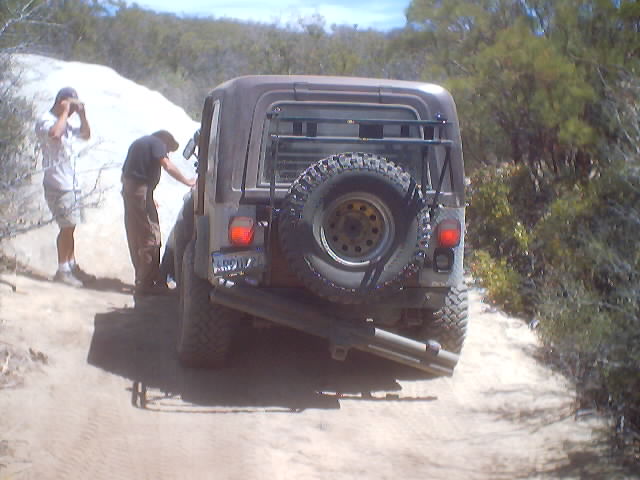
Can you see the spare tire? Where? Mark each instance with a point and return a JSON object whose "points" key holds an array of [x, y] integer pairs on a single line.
{"points": [[348, 227]]}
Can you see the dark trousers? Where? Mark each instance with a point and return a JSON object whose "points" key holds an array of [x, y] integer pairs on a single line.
{"points": [[143, 231]]}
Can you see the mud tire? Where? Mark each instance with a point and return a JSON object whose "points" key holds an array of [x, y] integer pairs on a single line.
{"points": [[348, 227], [448, 326], [182, 234], [205, 329], [179, 246]]}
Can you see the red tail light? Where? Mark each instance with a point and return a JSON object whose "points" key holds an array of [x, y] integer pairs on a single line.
{"points": [[449, 232], [241, 230]]}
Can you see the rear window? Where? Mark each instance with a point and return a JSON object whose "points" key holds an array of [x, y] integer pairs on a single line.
{"points": [[294, 157]]}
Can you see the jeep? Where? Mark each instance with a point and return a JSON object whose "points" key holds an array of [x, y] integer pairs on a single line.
{"points": [[331, 205]]}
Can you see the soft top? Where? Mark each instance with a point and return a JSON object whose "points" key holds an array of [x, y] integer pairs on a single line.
{"points": [[245, 102], [253, 86]]}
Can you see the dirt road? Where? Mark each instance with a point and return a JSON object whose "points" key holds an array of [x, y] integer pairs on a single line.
{"points": [[105, 399]]}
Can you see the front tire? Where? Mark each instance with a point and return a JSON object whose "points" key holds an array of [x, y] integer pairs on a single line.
{"points": [[205, 329], [182, 233], [179, 246]]}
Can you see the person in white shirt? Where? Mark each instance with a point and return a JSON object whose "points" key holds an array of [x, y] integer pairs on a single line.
{"points": [[60, 184]]}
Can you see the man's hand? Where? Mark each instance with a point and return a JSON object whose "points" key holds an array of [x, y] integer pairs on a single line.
{"points": [[76, 106], [79, 107], [69, 107], [172, 170], [58, 128], [66, 106]]}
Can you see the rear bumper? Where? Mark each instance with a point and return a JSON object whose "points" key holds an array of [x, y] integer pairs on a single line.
{"points": [[415, 297], [297, 314]]}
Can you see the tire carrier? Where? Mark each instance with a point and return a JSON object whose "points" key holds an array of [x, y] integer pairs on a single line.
{"points": [[427, 356]]}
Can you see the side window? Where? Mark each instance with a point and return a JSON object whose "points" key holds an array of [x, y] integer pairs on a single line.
{"points": [[213, 138]]}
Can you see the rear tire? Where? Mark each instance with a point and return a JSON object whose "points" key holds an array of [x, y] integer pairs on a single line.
{"points": [[447, 326], [205, 329]]}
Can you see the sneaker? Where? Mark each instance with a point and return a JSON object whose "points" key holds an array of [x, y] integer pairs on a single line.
{"points": [[67, 278]]}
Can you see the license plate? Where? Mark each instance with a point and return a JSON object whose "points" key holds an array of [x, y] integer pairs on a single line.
{"points": [[237, 262]]}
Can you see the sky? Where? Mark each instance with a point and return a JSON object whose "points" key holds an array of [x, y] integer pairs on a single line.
{"points": [[376, 14]]}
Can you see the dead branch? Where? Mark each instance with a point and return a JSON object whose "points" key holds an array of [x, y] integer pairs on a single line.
{"points": [[11, 285]]}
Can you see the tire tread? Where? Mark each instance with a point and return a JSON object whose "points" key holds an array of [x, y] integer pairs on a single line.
{"points": [[206, 329], [449, 325], [291, 214]]}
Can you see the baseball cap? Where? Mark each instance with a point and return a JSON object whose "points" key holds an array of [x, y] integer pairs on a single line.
{"points": [[167, 138], [64, 93]]}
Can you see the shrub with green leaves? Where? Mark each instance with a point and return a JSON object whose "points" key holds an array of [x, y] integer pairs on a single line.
{"points": [[502, 204], [590, 293], [502, 282]]}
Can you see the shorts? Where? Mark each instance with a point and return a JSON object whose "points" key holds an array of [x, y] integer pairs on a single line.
{"points": [[65, 207]]}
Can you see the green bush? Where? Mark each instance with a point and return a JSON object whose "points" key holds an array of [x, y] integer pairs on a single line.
{"points": [[570, 255], [502, 282], [503, 205], [589, 297]]}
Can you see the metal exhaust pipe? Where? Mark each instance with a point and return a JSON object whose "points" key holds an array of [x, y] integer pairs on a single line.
{"points": [[420, 364], [420, 349]]}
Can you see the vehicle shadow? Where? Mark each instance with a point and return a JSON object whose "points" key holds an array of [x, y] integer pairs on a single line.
{"points": [[107, 284], [271, 369]]}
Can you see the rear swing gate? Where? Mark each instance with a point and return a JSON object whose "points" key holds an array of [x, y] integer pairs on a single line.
{"points": [[428, 356], [437, 127]]}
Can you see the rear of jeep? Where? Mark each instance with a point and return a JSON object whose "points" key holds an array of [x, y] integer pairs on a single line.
{"points": [[331, 205]]}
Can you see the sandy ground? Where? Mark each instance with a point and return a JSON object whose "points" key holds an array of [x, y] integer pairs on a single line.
{"points": [[92, 388], [104, 398]]}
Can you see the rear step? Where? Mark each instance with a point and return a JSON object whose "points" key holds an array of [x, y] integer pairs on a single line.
{"points": [[428, 357]]}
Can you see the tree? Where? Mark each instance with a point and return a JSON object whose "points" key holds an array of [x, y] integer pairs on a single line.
{"points": [[520, 98], [15, 16]]}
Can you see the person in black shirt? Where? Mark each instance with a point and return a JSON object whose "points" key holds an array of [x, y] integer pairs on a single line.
{"points": [[146, 158]]}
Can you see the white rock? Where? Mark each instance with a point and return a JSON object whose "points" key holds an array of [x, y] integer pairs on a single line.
{"points": [[119, 111]]}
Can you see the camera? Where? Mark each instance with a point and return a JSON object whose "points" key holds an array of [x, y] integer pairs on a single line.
{"points": [[75, 105]]}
